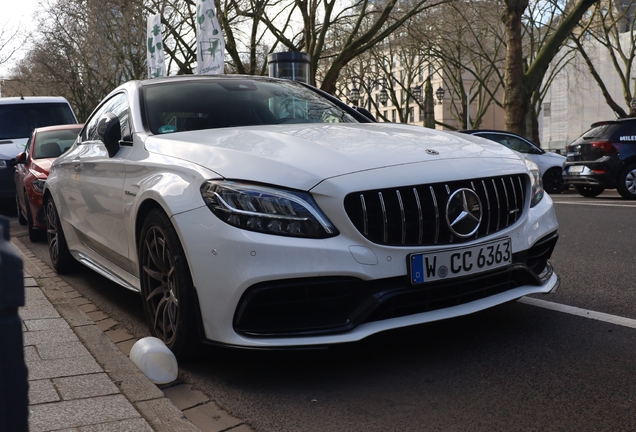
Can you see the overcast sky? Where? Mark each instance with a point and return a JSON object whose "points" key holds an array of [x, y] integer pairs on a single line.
{"points": [[14, 14]]}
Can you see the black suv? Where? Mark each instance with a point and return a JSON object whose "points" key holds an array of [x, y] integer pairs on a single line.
{"points": [[604, 157]]}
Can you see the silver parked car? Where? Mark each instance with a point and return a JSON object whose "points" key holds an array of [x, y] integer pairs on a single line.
{"points": [[550, 164]]}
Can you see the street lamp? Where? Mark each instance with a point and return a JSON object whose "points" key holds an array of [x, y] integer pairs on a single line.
{"points": [[440, 94], [354, 94], [417, 93]]}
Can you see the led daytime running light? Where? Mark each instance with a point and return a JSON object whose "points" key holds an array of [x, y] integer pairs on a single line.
{"points": [[266, 209], [536, 183]]}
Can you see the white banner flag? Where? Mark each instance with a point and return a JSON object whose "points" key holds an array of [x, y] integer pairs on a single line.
{"points": [[210, 42], [155, 56]]}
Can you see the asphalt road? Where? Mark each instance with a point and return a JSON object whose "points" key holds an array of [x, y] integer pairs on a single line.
{"points": [[517, 367]]}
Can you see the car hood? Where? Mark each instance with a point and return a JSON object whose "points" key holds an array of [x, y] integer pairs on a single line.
{"points": [[10, 148], [301, 156], [42, 166], [557, 157]]}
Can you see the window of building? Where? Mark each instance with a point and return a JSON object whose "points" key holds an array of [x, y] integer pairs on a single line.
{"points": [[393, 116], [547, 109]]}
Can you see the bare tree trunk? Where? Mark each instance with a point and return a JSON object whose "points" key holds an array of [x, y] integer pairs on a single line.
{"points": [[429, 103], [515, 94], [519, 83]]}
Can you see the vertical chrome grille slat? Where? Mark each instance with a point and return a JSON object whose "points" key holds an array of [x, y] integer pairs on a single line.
{"points": [[436, 215], [385, 219], [514, 194], [420, 231], [505, 189], [365, 215], [498, 204], [483, 183], [397, 218], [399, 197], [472, 185]]}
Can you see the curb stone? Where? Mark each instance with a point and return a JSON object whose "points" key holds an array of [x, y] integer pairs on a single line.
{"points": [[176, 407]]}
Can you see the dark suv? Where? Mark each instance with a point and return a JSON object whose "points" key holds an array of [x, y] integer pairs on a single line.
{"points": [[604, 157]]}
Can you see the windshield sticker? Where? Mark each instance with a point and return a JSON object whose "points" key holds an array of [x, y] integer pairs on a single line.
{"points": [[167, 129]]}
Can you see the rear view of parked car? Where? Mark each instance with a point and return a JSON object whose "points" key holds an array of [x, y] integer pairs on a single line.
{"points": [[550, 164], [18, 117], [32, 170], [604, 157]]}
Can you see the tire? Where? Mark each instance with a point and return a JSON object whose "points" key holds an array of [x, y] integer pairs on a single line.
{"points": [[553, 182], [35, 234], [626, 182], [167, 290], [589, 191], [61, 258], [21, 219]]}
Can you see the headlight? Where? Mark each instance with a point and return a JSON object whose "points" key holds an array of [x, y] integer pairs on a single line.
{"points": [[38, 185], [266, 209], [535, 182]]}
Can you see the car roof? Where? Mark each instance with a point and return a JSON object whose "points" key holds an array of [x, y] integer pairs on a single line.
{"points": [[474, 131], [59, 127], [174, 78], [613, 121], [31, 99]]}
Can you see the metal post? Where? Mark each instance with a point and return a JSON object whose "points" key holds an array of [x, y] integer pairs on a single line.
{"points": [[14, 384]]}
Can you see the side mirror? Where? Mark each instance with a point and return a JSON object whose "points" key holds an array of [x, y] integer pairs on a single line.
{"points": [[109, 131], [21, 158]]}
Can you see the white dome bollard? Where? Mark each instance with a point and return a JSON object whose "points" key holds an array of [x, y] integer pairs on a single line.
{"points": [[155, 360]]}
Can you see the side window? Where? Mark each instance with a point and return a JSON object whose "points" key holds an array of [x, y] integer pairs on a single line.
{"points": [[511, 142], [519, 145], [117, 105]]}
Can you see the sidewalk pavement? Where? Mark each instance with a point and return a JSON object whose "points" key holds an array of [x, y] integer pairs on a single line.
{"points": [[80, 376]]}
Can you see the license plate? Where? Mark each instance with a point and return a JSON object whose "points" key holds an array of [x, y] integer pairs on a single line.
{"points": [[576, 169], [451, 263]]}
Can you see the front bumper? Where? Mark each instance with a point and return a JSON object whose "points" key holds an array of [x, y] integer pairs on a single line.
{"points": [[7, 185], [322, 306], [266, 291]]}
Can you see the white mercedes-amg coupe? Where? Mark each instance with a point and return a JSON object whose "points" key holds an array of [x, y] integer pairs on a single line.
{"points": [[265, 213]]}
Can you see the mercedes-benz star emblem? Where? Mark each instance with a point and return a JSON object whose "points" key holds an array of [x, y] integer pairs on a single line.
{"points": [[463, 213]]}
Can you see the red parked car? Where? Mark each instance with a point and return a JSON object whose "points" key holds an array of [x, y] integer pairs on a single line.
{"points": [[32, 170]]}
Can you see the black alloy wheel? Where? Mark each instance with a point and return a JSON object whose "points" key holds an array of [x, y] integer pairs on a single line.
{"points": [[553, 182], [21, 219], [589, 191], [166, 286], [626, 183], [61, 257]]}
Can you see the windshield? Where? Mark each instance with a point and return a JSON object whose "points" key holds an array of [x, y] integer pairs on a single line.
{"points": [[19, 120], [52, 144], [183, 106], [601, 132]]}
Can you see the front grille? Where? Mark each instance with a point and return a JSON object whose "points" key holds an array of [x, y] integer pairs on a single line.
{"points": [[416, 215]]}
